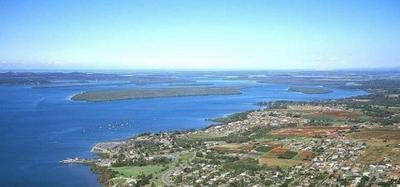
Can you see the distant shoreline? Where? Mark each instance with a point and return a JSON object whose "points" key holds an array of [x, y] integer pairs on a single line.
{"points": [[190, 84]]}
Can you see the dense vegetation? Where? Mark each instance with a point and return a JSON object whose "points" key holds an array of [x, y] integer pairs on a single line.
{"points": [[105, 173], [246, 164], [233, 117], [287, 155]]}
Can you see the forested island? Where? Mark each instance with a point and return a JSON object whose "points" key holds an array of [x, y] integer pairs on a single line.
{"points": [[310, 90], [123, 94]]}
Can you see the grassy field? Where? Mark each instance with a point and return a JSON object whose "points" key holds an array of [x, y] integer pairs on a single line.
{"points": [[271, 137], [123, 94], [156, 170], [282, 163], [334, 117], [229, 148], [186, 156], [312, 131], [327, 118], [378, 133], [381, 143], [133, 171], [202, 136]]}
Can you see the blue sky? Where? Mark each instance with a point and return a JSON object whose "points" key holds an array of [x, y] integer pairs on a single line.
{"points": [[151, 34]]}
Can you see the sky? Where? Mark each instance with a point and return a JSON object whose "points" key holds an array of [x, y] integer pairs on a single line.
{"points": [[215, 34]]}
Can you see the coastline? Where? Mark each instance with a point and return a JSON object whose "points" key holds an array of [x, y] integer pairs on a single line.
{"points": [[104, 173]]}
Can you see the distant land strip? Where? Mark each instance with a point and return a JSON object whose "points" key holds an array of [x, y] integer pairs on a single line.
{"points": [[191, 84], [310, 90], [118, 94]]}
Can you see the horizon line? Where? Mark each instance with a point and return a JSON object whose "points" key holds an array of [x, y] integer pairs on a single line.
{"points": [[394, 68]]}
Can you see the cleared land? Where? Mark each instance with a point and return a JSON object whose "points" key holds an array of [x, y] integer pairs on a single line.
{"points": [[202, 136], [310, 131], [336, 114], [310, 90], [111, 95], [229, 148], [273, 161], [334, 117], [381, 143]]}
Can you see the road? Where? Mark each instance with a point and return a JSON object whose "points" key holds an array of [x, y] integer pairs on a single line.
{"points": [[166, 179]]}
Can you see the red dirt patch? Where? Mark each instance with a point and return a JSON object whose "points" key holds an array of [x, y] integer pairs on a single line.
{"points": [[279, 150], [306, 155]]}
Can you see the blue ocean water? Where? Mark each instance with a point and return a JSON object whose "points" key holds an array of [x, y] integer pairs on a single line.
{"points": [[41, 126]]}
